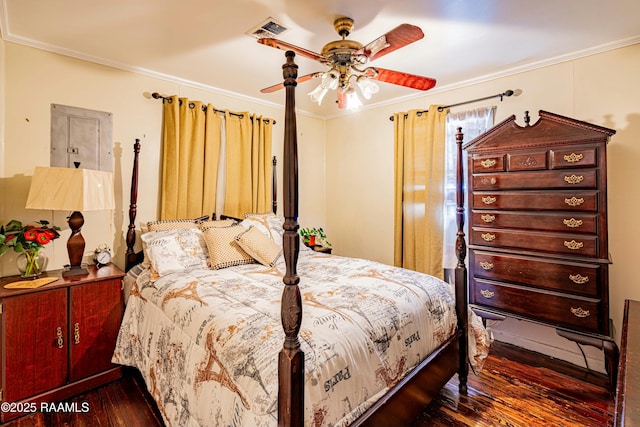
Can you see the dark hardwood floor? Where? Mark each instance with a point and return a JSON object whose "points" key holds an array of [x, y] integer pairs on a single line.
{"points": [[516, 388]]}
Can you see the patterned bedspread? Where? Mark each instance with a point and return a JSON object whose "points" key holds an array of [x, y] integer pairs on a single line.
{"points": [[206, 341]]}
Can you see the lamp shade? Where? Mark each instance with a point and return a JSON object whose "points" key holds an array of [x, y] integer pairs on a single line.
{"points": [[70, 189]]}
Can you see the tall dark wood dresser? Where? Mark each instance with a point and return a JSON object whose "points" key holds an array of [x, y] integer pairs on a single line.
{"points": [[538, 227]]}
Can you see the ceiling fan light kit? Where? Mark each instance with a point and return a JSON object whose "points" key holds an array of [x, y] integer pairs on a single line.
{"points": [[347, 60]]}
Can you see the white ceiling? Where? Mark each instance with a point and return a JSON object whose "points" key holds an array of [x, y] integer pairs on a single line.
{"points": [[204, 42]]}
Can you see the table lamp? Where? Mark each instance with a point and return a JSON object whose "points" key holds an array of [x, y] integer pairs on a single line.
{"points": [[75, 190]]}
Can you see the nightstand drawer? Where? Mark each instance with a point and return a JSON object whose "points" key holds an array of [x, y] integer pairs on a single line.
{"points": [[558, 309], [563, 276], [567, 223], [577, 245], [571, 201]]}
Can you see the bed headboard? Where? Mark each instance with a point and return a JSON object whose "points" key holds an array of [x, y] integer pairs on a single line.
{"points": [[131, 256]]}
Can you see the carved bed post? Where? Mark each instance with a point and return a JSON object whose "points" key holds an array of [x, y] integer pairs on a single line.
{"points": [[462, 298], [274, 186], [130, 256], [291, 357]]}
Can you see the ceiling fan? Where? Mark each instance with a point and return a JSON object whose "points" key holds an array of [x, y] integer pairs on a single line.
{"points": [[347, 62]]}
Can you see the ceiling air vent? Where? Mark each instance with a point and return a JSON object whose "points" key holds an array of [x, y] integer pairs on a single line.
{"points": [[268, 28]]}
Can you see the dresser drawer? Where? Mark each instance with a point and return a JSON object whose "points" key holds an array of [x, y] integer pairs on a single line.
{"points": [[582, 179], [551, 307], [487, 164], [527, 161], [574, 278], [540, 221], [576, 158], [577, 245], [584, 201]]}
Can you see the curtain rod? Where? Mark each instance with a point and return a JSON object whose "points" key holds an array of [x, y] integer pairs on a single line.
{"points": [[442, 107], [156, 95]]}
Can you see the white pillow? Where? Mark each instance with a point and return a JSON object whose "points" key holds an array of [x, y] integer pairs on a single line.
{"points": [[269, 224], [171, 251]]}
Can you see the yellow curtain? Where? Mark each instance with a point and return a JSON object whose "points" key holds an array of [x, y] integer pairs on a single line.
{"points": [[262, 166], [191, 148], [419, 189], [248, 160]]}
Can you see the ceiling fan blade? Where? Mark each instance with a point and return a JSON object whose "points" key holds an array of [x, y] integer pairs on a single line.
{"points": [[399, 37], [279, 44], [300, 79], [404, 79]]}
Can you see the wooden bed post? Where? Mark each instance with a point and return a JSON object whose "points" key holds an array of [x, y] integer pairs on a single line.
{"points": [[131, 257], [291, 357], [274, 186], [462, 299]]}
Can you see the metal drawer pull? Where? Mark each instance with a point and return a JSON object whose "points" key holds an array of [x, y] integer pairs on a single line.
{"points": [[76, 333], [488, 237], [488, 200], [579, 312], [573, 179], [573, 223], [573, 157], [488, 218], [579, 279], [573, 245], [59, 337], [574, 201], [489, 180], [485, 265], [487, 293], [488, 163]]}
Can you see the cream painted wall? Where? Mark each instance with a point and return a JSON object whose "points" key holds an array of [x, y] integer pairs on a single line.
{"points": [[346, 163], [2, 113], [603, 89], [34, 79]]}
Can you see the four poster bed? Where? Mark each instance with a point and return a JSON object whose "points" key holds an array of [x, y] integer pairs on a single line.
{"points": [[364, 343]]}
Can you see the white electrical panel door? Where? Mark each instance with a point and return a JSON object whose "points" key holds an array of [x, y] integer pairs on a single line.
{"points": [[81, 136]]}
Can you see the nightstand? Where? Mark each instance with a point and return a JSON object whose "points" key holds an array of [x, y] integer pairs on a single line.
{"points": [[58, 339], [323, 249]]}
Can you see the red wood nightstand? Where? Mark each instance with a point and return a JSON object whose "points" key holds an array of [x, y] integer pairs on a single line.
{"points": [[58, 339]]}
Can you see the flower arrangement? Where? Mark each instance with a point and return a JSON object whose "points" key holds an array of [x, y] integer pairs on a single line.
{"points": [[314, 237], [27, 239]]}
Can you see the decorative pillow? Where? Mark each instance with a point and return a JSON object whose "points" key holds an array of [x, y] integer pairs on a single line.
{"points": [[216, 223], [171, 251], [171, 224], [223, 249], [260, 215], [269, 224], [259, 246]]}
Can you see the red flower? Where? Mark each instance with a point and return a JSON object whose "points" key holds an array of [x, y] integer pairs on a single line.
{"points": [[43, 238], [51, 233], [30, 235]]}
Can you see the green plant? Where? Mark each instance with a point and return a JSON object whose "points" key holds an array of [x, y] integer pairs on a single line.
{"points": [[314, 237]]}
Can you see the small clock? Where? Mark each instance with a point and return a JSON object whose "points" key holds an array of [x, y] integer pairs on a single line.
{"points": [[102, 255]]}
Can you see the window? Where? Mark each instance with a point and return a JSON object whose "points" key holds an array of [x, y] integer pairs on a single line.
{"points": [[473, 123]]}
